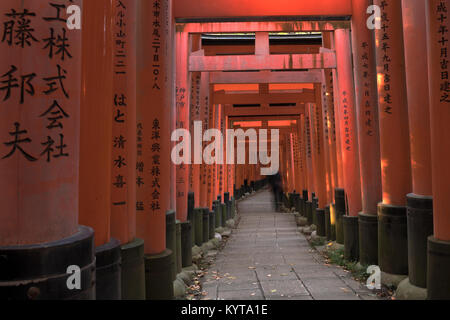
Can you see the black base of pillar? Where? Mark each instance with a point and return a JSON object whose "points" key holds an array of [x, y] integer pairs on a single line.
{"points": [[223, 208], [178, 247], [333, 222], [205, 225], [314, 210], [39, 272], [303, 201], [438, 279], [212, 225], [198, 217], [133, 270], [351, 238], [171, 240], [108, 271], [186, 244], [296, 202], [420, 227], [339, 208], [392, 239], [158, 276], [301, 205], [368, 239], [233, 207], [320, 217], [328, 224], [309, 213], [218, 214], [190, 215]]}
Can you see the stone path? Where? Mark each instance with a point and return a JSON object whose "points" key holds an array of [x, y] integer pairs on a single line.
{"points": [[266, 258]]}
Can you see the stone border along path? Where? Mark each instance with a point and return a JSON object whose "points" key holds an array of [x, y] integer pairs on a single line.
{"points": [[266, 258]]}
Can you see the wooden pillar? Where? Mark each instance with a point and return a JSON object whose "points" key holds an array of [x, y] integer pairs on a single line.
{"points": [[309, 152], [182, 111], [394, 140], [123, 197], [154, 127], [210, 167], [231, 168], [194, 112], [329, 120], [419, 202], [438, 26], [303, 152], [347, 122], [124, 153], [204, 117], [318, 147], [299, 165], [331, 127], [326, 143], [39, 154], [337, 106], [96, 181], [364, 62], [95, 146], [223, 168]]}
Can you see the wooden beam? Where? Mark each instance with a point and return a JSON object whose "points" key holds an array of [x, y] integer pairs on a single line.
{"points": [[312, 76], [265, 26], [265, 98], [266, 118], [272, 62], [230, 111]]}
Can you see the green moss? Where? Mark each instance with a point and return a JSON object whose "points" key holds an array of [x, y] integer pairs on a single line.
{"points": [[336, 256]]}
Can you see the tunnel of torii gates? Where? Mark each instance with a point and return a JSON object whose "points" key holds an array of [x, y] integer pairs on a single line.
{"points": [[87, 117]]}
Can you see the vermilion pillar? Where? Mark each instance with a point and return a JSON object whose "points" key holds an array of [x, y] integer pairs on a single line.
{"points": [[96, 148], [293, 162], [394, 141], [182, 111], [230, 168], [124, 153], [223, 167], [194, 112], [318, 148], [438, 26], [331, 127], [39, 155], [364, 62], [303, 153], [329, 119], [154, 124], [308, 148], [204, 118], [326, 144], [348, 123], [209, 167], [299, 165], [419, 202], [348, 201], [215, 185]]}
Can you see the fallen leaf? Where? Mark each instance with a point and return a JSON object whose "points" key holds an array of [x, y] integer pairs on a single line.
{"points": [[273, 291]]}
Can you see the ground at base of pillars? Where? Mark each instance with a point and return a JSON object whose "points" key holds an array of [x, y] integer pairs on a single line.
{"points": [[266, 258]]}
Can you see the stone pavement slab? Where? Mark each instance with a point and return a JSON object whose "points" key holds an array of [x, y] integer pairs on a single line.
{"points": [[266, 258]]}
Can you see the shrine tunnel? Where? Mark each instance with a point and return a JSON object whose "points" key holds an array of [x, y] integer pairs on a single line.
{"points": [[98, 99]]}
